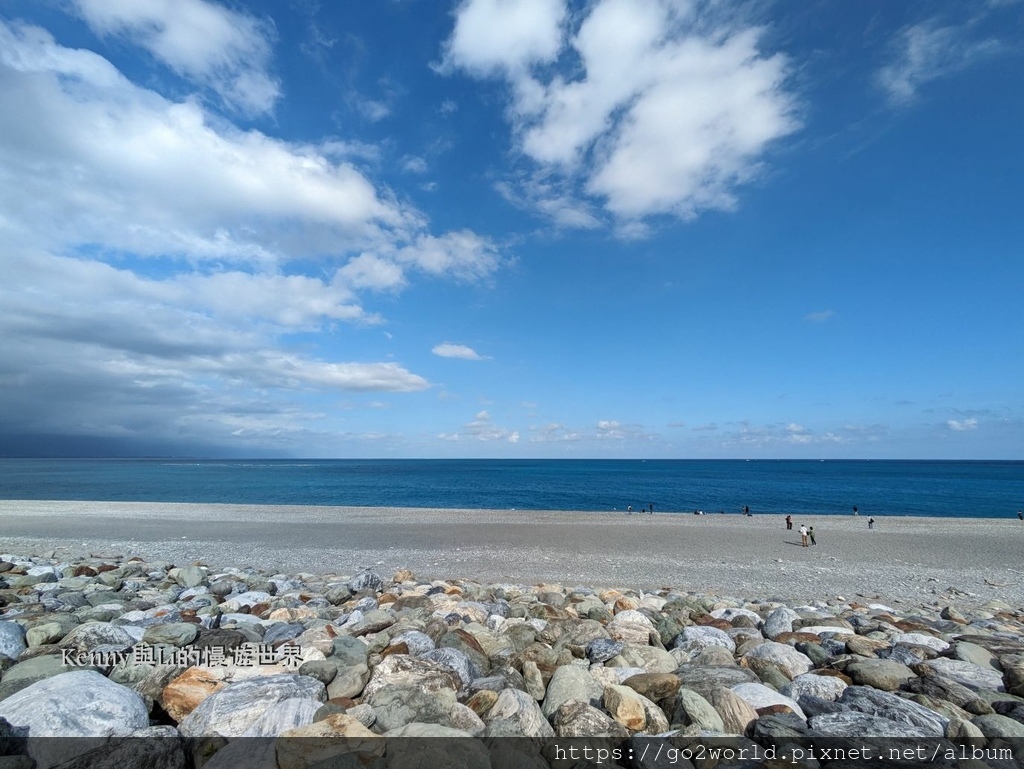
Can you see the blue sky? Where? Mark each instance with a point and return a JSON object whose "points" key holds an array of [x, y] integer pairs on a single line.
{"points": [[512, 228]]}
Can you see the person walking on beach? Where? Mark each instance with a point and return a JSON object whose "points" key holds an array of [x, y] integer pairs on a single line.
{"points": [[629, 509], [803, 536], [855, 511], [810, 533], [789, 523], [746, 510]]}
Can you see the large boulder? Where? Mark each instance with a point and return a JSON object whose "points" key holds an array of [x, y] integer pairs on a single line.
{"points": [[236, 708]]}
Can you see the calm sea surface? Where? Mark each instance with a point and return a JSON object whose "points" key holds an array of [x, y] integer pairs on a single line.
{"points": [[963, 489]]}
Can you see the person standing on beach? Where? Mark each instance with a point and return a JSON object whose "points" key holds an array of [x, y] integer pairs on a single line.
{"points": [[652, 508], [789, 523], [855, 511], [810, 533], [803, 536], [871, 523], [746, 510], [1020, 514]]}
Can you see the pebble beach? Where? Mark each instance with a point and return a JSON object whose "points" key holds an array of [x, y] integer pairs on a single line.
{"points": [[182, 621]]}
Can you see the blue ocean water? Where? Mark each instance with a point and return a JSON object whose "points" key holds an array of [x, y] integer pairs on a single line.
{"points": [[938, 489]]}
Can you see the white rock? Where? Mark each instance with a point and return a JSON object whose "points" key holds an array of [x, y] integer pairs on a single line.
{"points": [[236, 708], [760, 696], [285, 715], [81, 703], [920, 639], [825, 687], [788, 659], [697, 637]]}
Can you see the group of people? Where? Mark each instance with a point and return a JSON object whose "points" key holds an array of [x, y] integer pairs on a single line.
{"points": [[806, 533], [649, 509]]}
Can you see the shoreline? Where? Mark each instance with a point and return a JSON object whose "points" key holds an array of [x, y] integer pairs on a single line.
{"points": [[916, 560]]}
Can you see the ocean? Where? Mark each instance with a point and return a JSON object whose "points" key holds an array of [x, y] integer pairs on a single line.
{"points": [[931, 489]]}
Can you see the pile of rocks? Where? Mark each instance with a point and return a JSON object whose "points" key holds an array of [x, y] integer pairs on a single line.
{"points": [[107, 647]]}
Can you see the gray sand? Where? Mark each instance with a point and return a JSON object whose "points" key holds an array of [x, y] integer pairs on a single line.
{"points": [[903, 560]]}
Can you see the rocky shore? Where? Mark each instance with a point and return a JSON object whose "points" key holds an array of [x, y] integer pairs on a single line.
{"points": [[106, 647]]}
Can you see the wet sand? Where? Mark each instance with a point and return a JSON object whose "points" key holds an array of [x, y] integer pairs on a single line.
{"points": [[902, 561]]}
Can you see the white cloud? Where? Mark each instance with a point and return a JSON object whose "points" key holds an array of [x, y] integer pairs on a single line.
{"points": [[87, 348], [927, 51], [664, 112], [463, 254], [449, 350], [491, 36], [371, 271], [482, 428], [819, 317], [156, 260], [962, 425], [373, 111], [225, 50], [90, 157], [555, 432], [414, 165]]}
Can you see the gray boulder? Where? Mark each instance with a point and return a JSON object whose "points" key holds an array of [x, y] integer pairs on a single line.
{"points": [[12, 639], [886, 675], [697, 637], [968, 674], [692, 709], [570, 682], [825, 687], [171, 634], [884, 705], [236, 708], [189, 576], [705, 679], [78, 704], [855, 724], [417, 642], [578, 719], [516, 714], [787, 659], [995, 726], [92, 635], [284, 715], [455, 660], [779, 621], [402, 670], [366, 581], [31, 671], [397, 706]]}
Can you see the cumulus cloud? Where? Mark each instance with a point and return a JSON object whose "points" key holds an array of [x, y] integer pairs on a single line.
{"points": [[225, 50], [555, 432], [927, 51], [495, 36], [156, 258], [91, 157], [87, 348], [962, 425], [463, 255], [449, 350], [650, 106], [482, 428]]}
